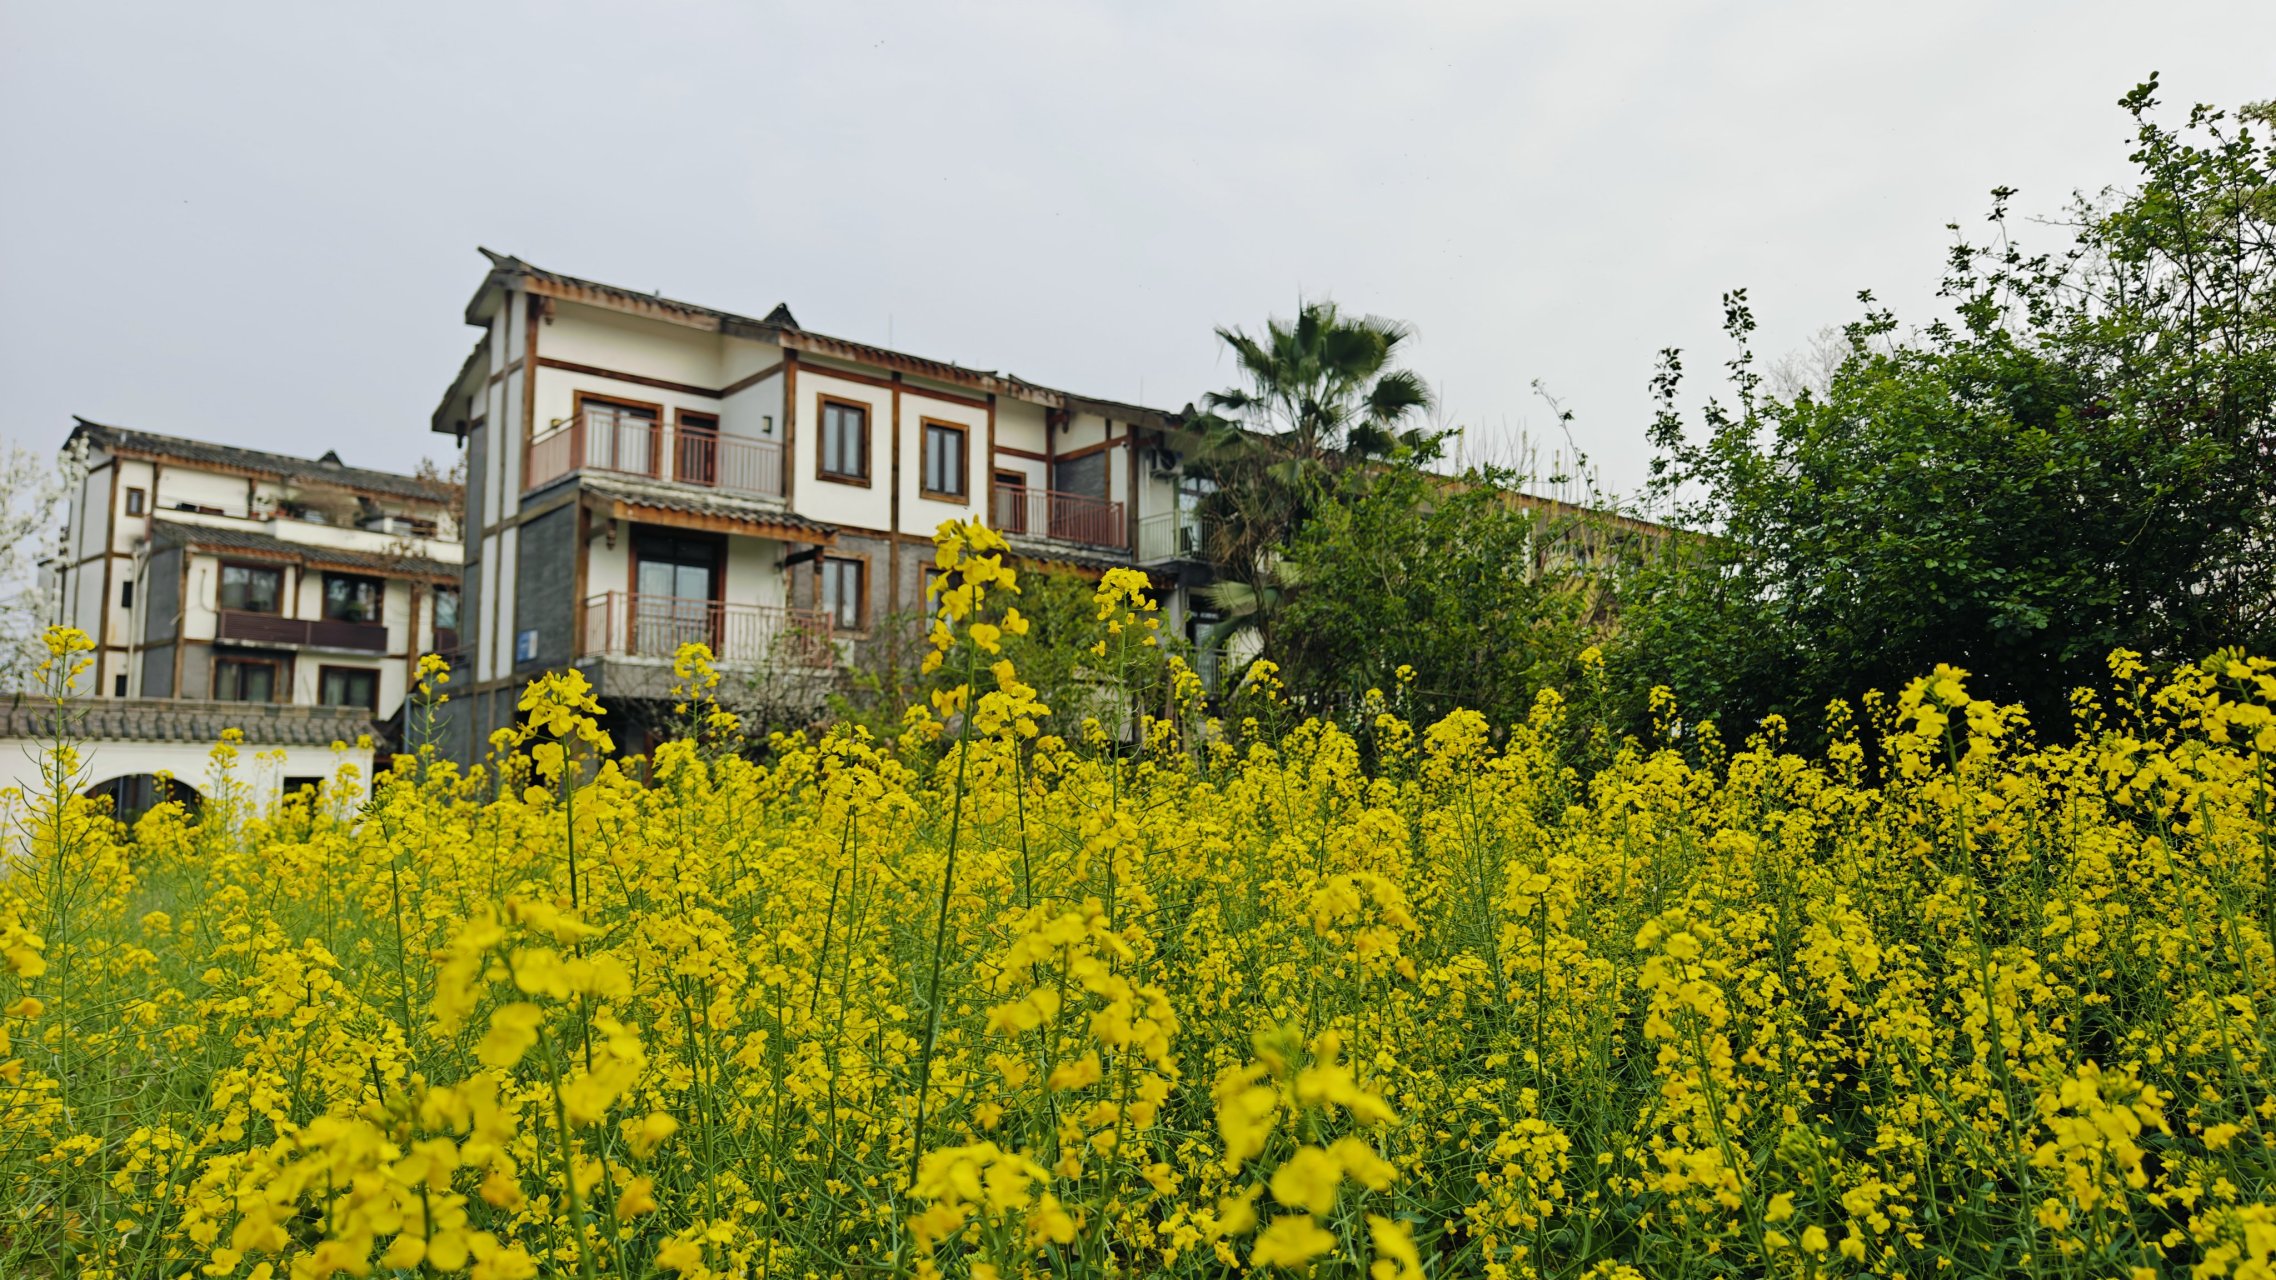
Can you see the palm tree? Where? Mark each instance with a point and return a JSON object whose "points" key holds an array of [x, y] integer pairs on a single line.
{"points": [[1318, 392]]}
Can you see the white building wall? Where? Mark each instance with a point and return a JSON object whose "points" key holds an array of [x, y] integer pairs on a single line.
{"points": [[486, 614], [609, 568], [1082, 431], [634, 344], [919, 513], [128, 530], [263, 768], [832, 501], [755, 412], [509, 566], [178, 485], [753, 573], [1022, 425]]}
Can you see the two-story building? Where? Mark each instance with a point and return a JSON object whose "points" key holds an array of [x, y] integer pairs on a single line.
{"points": [[643, 472]]}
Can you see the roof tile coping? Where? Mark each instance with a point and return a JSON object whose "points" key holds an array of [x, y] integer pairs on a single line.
{"points": [[281, 465], [187, 720]]}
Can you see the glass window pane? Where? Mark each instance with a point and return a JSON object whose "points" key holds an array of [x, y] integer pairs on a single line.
{"points": [[250, 588]]}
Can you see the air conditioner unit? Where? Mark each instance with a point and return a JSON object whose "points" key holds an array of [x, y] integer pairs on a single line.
{"points": [[1163, 462]]}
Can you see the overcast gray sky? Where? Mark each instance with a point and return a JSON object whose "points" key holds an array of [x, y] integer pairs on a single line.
{"points": [[256, 223]]}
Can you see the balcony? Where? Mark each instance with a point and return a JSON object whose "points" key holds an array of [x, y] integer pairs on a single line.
{"points": [[1022, 512], [313, 633], [621, 444], [1169, 536], [619, 624]]}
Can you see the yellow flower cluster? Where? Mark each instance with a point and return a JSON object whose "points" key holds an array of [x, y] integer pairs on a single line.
{"points": [[1955, 998]]}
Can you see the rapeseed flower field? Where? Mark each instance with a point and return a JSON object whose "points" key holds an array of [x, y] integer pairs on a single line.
{"points": [[1178, 997]]}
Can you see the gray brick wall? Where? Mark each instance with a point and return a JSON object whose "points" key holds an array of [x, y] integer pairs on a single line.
{"points": [[545, 587], [161, 620], [197, 671]]}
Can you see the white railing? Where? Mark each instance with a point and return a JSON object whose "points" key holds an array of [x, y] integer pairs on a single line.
{"points": [[1169, 536]]}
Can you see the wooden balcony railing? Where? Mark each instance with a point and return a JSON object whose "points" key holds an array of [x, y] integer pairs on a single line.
{"points": [[621, 624], [1064, 517], [625, 445], [323, 633]]}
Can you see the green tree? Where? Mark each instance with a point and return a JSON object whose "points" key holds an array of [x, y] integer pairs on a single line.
{"points": [[1457, 579], [2080, 459], [1316, 391]]}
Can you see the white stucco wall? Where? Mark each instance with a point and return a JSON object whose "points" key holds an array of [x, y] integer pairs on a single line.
{"points": [[752, 575], [261, 767], [1020, 425], [178, 484], [756, 410], [921, 514], [653, 348], [830, 501]]}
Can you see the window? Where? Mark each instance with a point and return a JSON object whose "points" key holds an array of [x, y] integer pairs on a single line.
{"points": [[446, 619], [135, 502], [251, 588], [676, 579], [245, 680], [928, 600], [620, 435], [845, 441], [126, 593], [842, 591], [348, 687], [118, 685], [298, 783], [944, 459], [351, 598]]}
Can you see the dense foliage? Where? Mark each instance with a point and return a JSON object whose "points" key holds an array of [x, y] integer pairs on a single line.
{"points": [[997, 1002], [1319, 392], [1448, 589], [2080, 460]]}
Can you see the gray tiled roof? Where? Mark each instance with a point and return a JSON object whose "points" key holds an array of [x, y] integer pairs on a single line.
{"points": [[165, 720], [207, 538], [281, 465], [703, 502]]}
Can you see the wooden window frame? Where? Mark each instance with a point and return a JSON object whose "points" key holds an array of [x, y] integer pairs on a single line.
{"points": [[279, 612], [137, 502], [822, 406], [280, 678], [925, 429], [927, 605], [718, 542], [578, 399], [861, 606], [328, 668]]}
